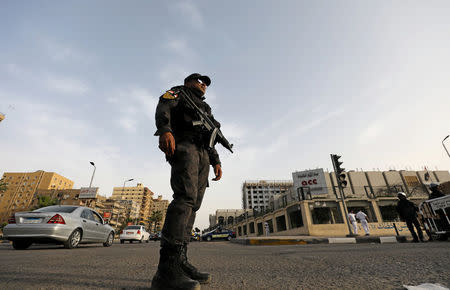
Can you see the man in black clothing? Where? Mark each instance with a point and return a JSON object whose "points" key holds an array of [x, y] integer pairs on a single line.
{"points": [[435, 191], [186, 149], [408, 213]]}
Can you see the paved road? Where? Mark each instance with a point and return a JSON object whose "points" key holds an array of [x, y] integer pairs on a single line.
{"points": [[131, 266]]}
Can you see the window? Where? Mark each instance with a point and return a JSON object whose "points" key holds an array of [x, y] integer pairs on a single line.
{"points": [[260, 229], [326, 213], [281, 223], [57, 208], [389, 213], [87, 214], [96, 217], [294, 216]]}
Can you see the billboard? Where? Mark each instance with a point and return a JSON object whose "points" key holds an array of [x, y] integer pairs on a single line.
{"points": [[88, 192], [312, 179]]}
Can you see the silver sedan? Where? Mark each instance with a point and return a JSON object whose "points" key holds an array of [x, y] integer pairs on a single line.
{"points": [[61, 224]]}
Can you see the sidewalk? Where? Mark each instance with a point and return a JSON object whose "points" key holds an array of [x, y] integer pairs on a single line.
{"points": [[304, 240]]}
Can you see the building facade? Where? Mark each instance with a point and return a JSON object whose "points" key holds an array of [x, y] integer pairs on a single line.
{"points": [[256, 194], [141, 195], [161, 205], [225, 217], [22, 186], [300, 212]]}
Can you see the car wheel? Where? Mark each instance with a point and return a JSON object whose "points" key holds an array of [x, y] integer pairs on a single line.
{"points": [[141, 240], [131, 241], [148, 240], [208, 238], [73, 240], [109, 240], [21, 245], [229, 238], [122, 241]]}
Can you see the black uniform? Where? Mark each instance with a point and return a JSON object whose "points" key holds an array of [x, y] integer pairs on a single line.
{"points": [[408, 213], [190, 163]]}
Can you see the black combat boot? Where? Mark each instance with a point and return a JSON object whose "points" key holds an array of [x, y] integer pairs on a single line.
{"points": [[169, 274], [190, 270]]}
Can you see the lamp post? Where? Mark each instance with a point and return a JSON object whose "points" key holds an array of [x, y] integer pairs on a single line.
{"points": [[93, 173], [92, 178], [123, 191], [444, 145]]}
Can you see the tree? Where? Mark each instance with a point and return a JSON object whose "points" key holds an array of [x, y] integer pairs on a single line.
{"points": [[155, 218], [45, 200]]}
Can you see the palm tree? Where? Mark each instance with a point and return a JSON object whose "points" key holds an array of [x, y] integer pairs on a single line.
{"points": [[155, 218]]}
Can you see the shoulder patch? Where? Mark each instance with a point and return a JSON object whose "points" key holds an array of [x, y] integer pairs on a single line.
{"points": [[170, 95]]}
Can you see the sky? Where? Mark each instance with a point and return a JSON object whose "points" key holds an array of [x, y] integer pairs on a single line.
{"points": [[292, 82]]}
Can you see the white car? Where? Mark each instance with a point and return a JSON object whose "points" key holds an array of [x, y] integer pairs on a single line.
{"points": [[134, 233]]}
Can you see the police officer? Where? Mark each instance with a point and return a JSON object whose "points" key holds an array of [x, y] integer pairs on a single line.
{"points": [[186, 149], [408, 213]]}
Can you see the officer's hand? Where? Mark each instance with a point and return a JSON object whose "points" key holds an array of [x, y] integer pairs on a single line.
{"points": [[217, 172], [167, 144]]}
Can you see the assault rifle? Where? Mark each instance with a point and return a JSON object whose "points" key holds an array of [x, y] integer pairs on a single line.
{"points": [[208, 125]]}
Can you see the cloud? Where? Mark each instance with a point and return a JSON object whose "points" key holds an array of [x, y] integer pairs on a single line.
{"points": [[131, 103], [128, 124], [173, 74], [66, 85], [189, 11], [180, 47], [59, 52]]}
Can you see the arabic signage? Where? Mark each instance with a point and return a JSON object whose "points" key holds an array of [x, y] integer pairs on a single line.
{"points": [[312, 179], [88, 192], [440, 203]]}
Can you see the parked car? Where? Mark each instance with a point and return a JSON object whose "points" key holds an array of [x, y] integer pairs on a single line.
{"points": [[134, 233], [156, 236], [218, 234], [60, 224]]}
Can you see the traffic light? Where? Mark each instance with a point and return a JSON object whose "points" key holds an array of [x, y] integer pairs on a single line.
{"points": [[340, 171]]}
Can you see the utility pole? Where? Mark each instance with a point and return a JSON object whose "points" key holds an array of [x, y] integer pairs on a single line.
{"points": [[342, 183]]}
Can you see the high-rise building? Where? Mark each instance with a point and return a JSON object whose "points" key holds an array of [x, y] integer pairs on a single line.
{"points": [[160, 205], [256, 194], [22, 186], [141, 195]]}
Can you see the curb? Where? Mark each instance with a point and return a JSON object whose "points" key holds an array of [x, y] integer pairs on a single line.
{"points": [[306, 241]]}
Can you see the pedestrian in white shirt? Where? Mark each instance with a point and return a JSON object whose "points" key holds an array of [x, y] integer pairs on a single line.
{"points": [[363, 219], [352, 220], [266, 228]]}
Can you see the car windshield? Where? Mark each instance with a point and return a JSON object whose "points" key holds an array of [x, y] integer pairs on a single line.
{"points": [[57, 208], [133, 228]]}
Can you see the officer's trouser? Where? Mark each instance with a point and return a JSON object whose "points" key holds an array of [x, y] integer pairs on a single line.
{"points": [[365, 226], [355, 227], [189, 179], [410, 223]]}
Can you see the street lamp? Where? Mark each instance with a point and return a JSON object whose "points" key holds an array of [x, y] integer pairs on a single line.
{"points": [[444, 145], [123, 191], [92, 178]]}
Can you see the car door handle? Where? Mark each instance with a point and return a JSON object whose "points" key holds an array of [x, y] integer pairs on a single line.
{"points": [[84, 221]]}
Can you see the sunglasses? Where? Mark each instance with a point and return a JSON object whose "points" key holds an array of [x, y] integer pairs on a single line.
{"points": [[201, 82]]}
